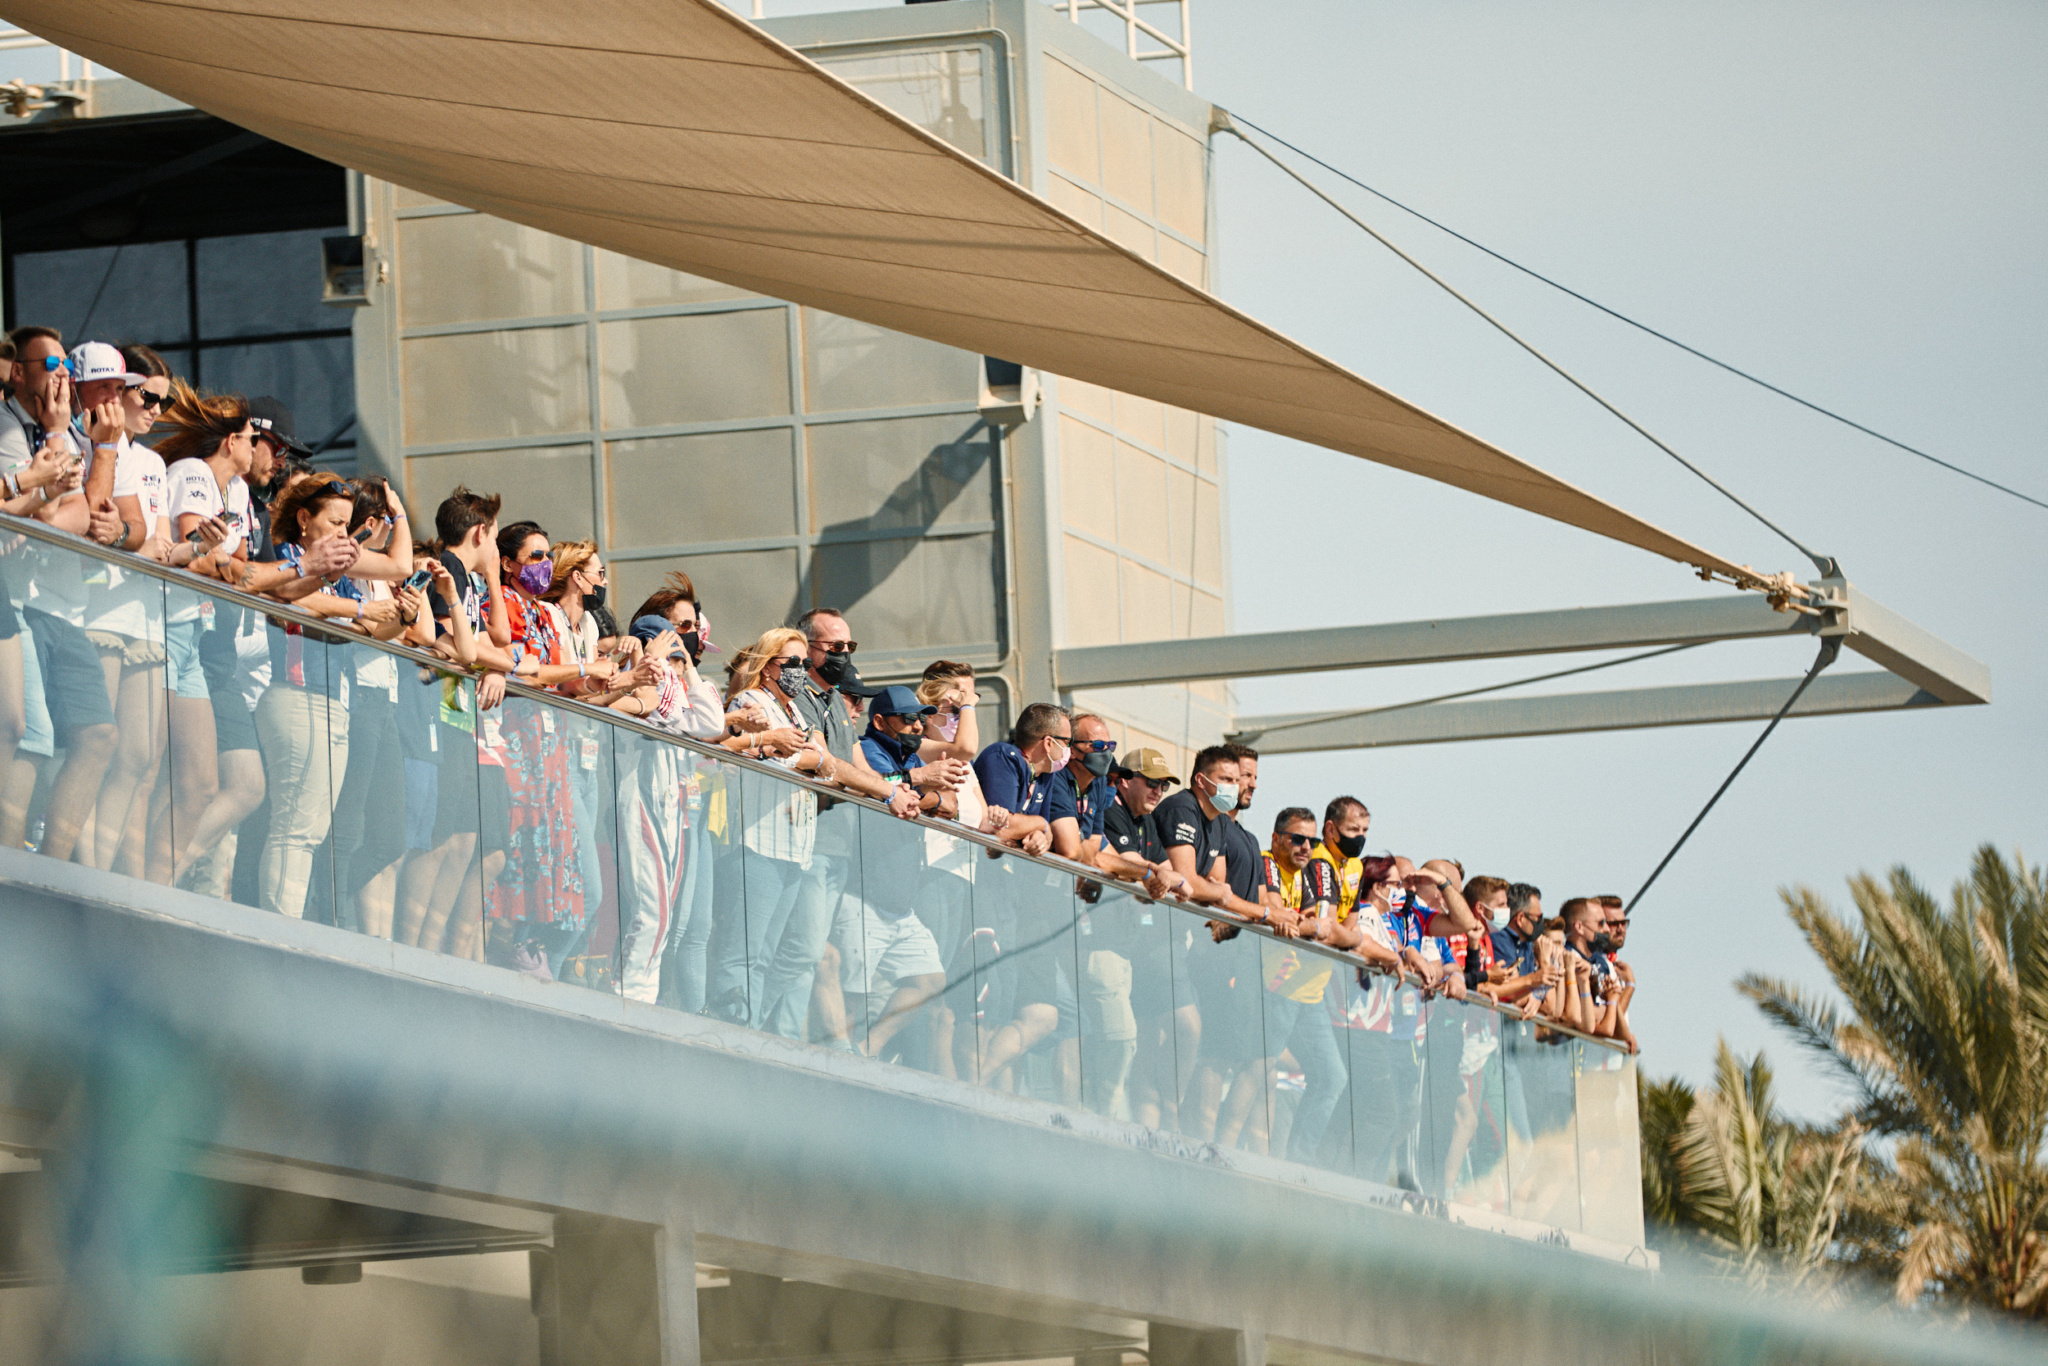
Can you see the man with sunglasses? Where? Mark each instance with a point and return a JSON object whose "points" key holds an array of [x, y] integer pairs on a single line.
{"points": [[1297, 981], [1086, 778], [1615, 922]]}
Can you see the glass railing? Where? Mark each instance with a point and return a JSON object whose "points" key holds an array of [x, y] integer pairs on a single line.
{"points": [[169, 729]]}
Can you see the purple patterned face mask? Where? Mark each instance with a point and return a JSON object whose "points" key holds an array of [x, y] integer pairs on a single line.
{"points": [[536, 578]]}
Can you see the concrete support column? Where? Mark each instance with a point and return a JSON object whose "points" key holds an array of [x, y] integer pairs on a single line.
{"points": [[615, 1293], [1172, 1345]]}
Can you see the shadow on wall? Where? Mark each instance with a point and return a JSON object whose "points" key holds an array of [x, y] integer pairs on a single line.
{"points": [[856, 556]]}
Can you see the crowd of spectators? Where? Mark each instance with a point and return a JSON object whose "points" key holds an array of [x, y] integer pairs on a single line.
{"points": [[155, 730]]}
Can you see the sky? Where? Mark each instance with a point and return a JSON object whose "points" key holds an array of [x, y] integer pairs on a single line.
{"points": [[1845, 198]]}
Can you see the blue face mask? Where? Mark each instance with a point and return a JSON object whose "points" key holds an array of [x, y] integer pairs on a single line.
{"points": [[1225, 798]]}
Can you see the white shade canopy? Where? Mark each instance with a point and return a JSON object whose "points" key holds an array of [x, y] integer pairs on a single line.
{"points": [[678, 133]]}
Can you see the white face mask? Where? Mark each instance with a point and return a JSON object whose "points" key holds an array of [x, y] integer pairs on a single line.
{"points": [[946, 725], [1058, 754], [1501, 916], [1225, 797]]}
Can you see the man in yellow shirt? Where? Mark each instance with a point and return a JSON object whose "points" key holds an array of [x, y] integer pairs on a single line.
{"points": [[1297, 980]]}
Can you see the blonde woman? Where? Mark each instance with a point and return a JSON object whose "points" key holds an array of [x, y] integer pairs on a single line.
{"points": [[778, 823]]}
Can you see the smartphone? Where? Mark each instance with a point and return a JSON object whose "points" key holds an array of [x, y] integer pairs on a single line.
{"points": [[362, 534], [419, 578]]}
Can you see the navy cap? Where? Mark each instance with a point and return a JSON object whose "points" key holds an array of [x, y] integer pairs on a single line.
{"points": [[853, 687], [645, 629], [897, 700]]}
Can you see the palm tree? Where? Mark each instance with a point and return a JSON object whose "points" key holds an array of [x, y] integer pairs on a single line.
{"points": [[1731, 1180], [1945, 1045]]}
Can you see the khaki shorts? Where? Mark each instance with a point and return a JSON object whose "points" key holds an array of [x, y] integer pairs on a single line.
{"points": [[135, 654]]}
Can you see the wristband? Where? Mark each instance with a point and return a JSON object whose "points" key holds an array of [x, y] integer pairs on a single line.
{"points": [[13, 485]]}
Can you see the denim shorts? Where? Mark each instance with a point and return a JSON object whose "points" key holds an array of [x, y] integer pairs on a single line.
{"points": [[181, 657], [73, 686]]}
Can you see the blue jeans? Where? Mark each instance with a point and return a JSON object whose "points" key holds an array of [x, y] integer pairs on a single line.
{"points": [[746, 931], [1305, 1031], [784, 1003], [684, 966]]}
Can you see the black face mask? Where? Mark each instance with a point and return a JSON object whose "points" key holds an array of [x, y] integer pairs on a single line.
{"points": [[1603, 942], [832, 668], [692, 642], [593, 598], [1350, 846], [1099, 764]]}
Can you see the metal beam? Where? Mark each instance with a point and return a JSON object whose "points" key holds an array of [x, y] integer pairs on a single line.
{"points": [[1636, 626], [1920, 657], [1572, 713]]}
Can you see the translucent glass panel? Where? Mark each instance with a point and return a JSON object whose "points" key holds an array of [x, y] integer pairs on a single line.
{"points": [[1180, 177], [684, 490], [741, 591], [850, 364], [1087, 478], [474, 386], [134, 291], [908, 473], [623, 282], [705, 367], [1141, 504], [545, 484], [1075, 201], [469, 267], [1128, 230], [1072, 141], [315, 378], [1092, 611], [913, 594], [939, 91], [1126, 151], [263, 282], [1147, 600], [540, 839]]}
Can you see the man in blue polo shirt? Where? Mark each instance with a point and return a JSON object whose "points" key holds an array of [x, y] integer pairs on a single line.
{"points": [[1015, 775], [1032, 912]]}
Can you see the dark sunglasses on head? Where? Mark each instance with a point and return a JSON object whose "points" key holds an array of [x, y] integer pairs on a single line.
{"points": [[836, 647], [337, 489]]}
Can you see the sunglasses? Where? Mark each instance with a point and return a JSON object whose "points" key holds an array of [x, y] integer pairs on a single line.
{"points": [[835, 647], [1156, 784], [150, 400], [52, 364], [334, 488], [1299, 841]]}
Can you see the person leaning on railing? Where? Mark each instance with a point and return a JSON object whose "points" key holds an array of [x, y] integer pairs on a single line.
{"points": [[303, 718]]}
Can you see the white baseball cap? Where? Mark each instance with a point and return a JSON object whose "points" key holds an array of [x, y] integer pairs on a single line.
{"points": [[97, 360]]}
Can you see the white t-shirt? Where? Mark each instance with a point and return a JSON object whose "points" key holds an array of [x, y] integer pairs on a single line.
{"points": [[121, 601], [194, 489], [55, 581]]}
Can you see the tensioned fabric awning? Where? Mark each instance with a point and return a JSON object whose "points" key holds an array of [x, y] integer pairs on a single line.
{"points": [[676, 132]]}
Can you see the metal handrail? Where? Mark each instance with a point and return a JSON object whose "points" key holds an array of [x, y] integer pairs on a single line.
{"points": [[130, 562]]}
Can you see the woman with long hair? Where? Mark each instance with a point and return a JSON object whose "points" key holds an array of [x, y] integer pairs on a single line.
{"points": [[208, 446], [664, 860], [368, 834], [541, 899], [778, 825], [303, 718]]}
